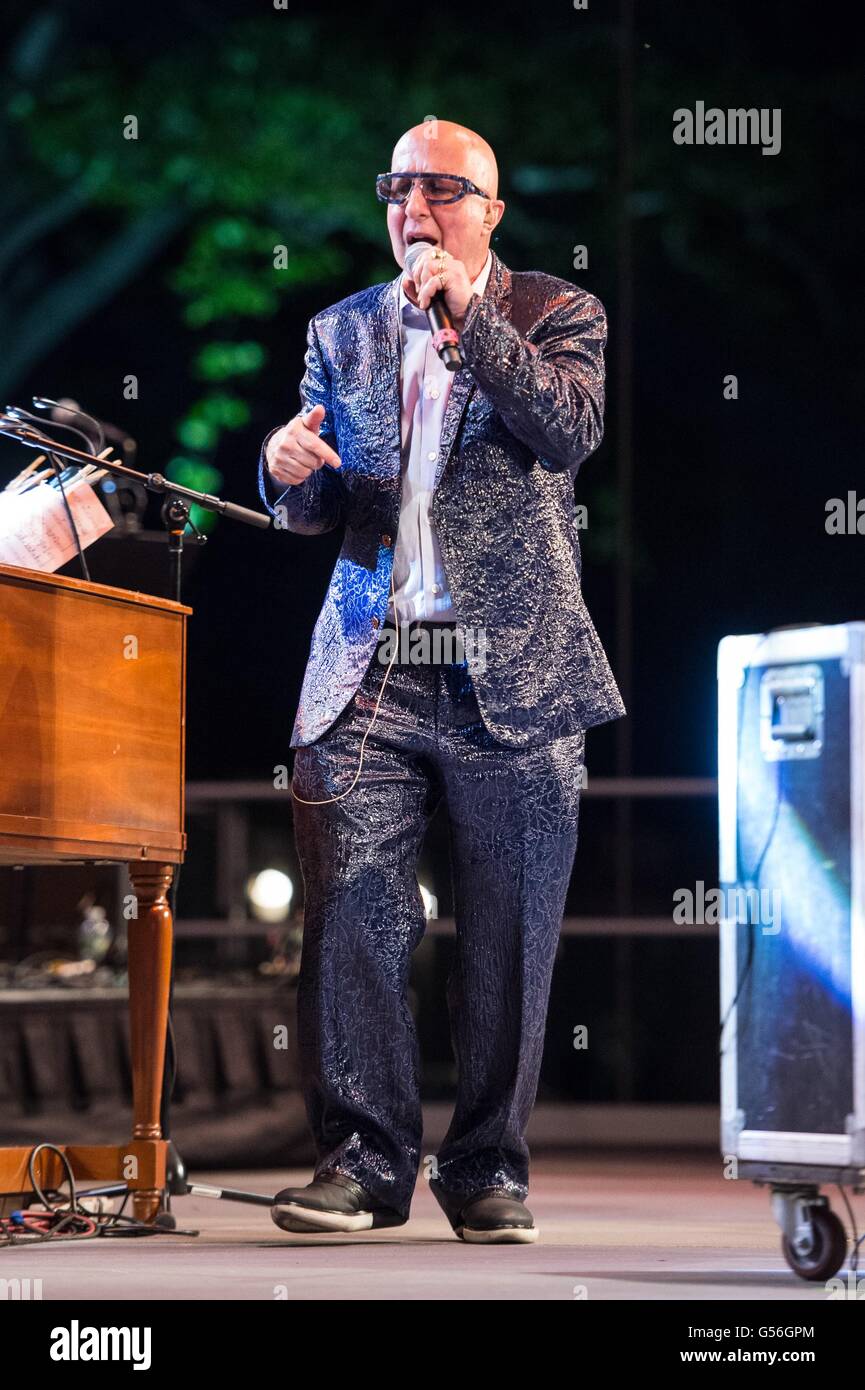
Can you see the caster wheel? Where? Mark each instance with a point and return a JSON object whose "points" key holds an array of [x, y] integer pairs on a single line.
{"points": [[830, 1248], [166, 1221]]}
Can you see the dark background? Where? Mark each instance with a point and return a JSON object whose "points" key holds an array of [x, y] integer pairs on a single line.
{"points": [[742, 263], [260, 126]]}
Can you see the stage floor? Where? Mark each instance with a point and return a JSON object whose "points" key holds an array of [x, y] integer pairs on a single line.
{"points": [[613, 1226]]}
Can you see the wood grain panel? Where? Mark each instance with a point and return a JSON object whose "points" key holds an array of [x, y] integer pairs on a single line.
{"points": [[92, 721]]}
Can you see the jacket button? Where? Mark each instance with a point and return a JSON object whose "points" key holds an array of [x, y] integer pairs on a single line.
{"points": [[385, 540], [374, 622]]}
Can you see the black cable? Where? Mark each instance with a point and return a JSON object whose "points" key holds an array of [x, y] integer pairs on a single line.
{"points": [[45, 403], [758, 867], [108, 1225], [18, 413], [42, 403], [58, 470], [753, 878], [70, 1176], [21, 1237], [100, 1224], [857, 1239]]}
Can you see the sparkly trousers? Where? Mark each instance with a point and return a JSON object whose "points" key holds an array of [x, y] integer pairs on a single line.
{"points": [[513, 834]]}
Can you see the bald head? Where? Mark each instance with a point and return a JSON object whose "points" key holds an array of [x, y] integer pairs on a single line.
{"points": [[463, 228], [444, 147]]}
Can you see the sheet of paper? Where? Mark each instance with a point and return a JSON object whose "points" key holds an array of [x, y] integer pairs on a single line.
{"points": [[34, 526]]}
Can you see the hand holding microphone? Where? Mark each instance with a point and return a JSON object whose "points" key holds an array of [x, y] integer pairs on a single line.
{"points": [[443, 289], [296, 450]]}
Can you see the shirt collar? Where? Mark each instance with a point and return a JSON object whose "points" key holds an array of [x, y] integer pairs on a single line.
{"points": [[410, 311]]}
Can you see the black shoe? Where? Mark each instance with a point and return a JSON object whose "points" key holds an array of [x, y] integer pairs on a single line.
{"points": [[492, 1217], [333, 1203]]}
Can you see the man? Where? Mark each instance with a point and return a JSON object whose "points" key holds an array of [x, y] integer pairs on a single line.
{"points": [[456, 491]]}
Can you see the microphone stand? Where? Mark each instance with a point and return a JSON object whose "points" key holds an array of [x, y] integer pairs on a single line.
{"points": [[154, 482], [175, 518]]}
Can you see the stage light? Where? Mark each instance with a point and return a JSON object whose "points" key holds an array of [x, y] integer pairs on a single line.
{"points": [[270, 893]]}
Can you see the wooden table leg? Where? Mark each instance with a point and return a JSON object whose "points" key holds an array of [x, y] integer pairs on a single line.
{"points": [[150, 935]]}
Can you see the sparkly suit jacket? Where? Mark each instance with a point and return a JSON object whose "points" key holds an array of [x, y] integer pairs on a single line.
{"points": [[522, 415]]}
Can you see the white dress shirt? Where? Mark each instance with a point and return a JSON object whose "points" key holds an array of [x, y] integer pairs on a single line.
{"points": [[420, 583]]}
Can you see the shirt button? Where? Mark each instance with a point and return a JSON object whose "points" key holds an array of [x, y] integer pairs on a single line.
{"points": [[433, 395], [435, 588], [432, 457]]}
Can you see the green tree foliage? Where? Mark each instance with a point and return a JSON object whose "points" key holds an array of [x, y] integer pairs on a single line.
{"points": [[256, 142]]}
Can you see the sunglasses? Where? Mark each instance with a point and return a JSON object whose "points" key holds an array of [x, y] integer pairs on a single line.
{"points": [[436, 188]]}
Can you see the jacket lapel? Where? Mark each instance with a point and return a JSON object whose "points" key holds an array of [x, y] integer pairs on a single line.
{"points": [[388, 351], [497, 289], [387, 358]]}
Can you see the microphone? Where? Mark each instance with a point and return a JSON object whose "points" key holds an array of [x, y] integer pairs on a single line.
{"points": [[444, 335]]}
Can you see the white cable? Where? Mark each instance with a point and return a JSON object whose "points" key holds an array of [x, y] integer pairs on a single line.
{"points": [[326, 799]]}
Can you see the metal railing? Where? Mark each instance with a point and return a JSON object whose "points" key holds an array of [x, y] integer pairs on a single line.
{"points": [[230, 802]]}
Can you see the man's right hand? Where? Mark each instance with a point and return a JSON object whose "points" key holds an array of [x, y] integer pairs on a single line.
{"points": [[295, 451]]}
